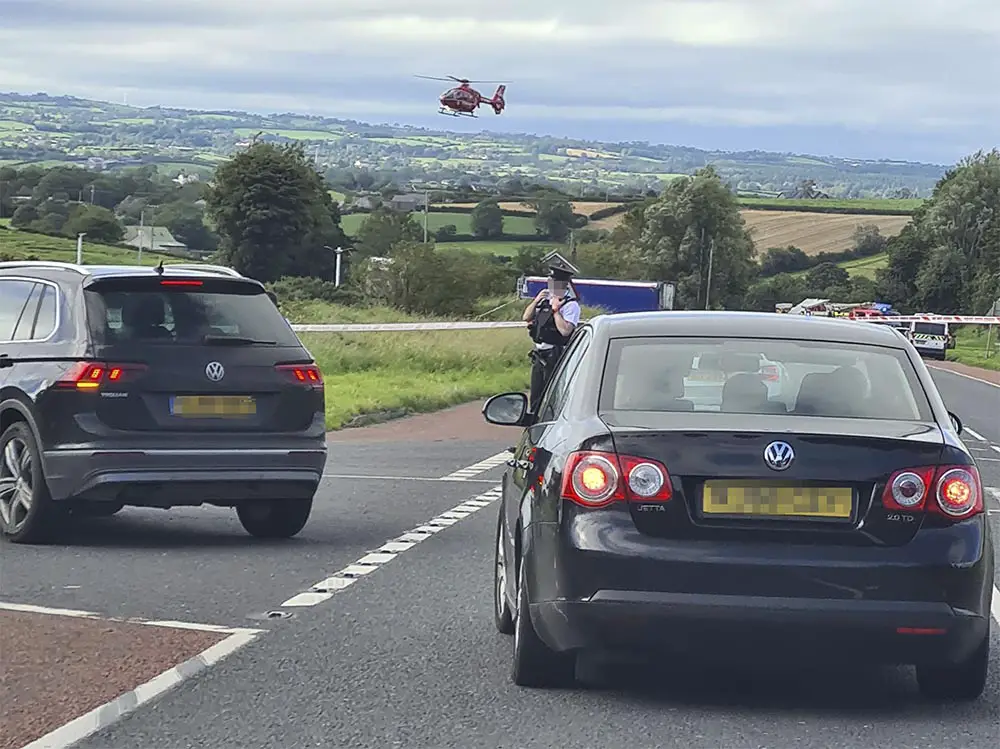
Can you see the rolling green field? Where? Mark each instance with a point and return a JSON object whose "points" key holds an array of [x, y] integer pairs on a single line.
{"points": [[436, 219], [20, 244], [865, 266]]}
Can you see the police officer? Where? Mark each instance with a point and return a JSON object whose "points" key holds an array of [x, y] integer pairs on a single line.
{"points": [[552, 317]]}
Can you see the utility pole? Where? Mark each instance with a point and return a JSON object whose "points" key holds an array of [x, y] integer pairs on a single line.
{"points": [[427, 201], [79, 248], [142, 224], [92, 190], [708, 283]]}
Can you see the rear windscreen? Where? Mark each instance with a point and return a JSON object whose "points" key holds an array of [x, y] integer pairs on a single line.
{"points": [[929, 328], [138, 311], [761, 376]]}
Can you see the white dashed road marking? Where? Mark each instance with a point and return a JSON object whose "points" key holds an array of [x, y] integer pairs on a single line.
{"points": [[326, 589], [369, 477], [482, 466], [111, 712], [975, 435]]}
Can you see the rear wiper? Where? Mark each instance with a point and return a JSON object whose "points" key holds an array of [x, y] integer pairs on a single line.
{"points": [[234, 340]]}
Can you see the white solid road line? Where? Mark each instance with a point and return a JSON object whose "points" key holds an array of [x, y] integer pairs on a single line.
{"points": [[463, 474], [975, 434], [110, 712]]}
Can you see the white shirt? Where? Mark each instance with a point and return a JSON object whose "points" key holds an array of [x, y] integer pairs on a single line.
{"points": [[570, 312]]}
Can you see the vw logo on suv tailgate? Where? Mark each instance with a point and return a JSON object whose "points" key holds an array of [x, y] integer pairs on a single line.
{"points": [[215, 371]]}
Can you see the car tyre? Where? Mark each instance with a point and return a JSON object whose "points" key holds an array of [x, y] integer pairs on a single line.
{"points": [[503, 617], [963, 681], [534, 663], [27, 513], [274, 518]]}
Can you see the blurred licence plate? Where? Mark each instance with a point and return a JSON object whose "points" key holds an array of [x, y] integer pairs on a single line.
{"points": [[210, 406], [763, 500]]}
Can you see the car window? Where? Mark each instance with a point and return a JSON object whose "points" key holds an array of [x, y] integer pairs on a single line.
{"points": [[45, 320], [930, 328], [557, 394], [13, 297], [763, 376], [124, 313], [22, 331]]}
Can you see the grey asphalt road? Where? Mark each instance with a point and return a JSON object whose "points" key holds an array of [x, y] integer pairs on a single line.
{"points": [[408, 655]]}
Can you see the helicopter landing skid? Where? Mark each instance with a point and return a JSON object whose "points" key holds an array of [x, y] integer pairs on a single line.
{"points": [[453, 113]]}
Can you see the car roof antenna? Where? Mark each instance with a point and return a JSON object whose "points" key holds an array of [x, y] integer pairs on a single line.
{"points": [[159, 268]]}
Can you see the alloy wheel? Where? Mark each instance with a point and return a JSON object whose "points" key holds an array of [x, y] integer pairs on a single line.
{"points": [[16, 487]]}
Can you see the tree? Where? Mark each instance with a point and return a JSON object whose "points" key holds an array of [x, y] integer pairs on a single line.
{"points": [[694, 223], [274, 214], [826, 275], [487, 220], [947, 258], [383, 229], [99, 224], [187, 223], [554, 218], [783, 260]]}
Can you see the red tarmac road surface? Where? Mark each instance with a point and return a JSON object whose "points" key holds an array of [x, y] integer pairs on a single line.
{"points": [[56, 668]]}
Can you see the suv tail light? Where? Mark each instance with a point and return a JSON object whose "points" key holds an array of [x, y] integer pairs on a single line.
{"points": [[954, 492], [91, 375], [598, 479], [305, 374]]}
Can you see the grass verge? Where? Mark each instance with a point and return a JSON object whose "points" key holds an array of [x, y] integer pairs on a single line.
{"points": [[18, 245], [970, 348], [420, 371]]}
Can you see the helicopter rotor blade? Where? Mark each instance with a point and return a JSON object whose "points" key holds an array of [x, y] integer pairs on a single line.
{"points": [[434, 78]]}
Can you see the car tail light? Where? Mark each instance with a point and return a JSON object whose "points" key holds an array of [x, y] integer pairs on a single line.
{"points": [[90, 375], [954, 492], [769, 373], [598, 479], [306, 374], [181, 282]]}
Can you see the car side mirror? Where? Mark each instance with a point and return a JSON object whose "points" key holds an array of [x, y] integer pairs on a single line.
{"points": [[507, 409], [956, 422]]}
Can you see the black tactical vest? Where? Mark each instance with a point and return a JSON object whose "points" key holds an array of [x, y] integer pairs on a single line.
{"points": [[543, 327]]}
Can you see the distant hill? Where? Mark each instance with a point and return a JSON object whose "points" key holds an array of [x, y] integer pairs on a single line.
{"points": [[39, 128]]}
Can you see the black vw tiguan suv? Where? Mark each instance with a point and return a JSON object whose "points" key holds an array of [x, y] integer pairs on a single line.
{"points": [[178, 385]]}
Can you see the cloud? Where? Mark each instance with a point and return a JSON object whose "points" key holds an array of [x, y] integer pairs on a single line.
{"points": [[922, 70]]}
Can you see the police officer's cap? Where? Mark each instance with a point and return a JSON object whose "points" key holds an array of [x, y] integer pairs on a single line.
{"points": [[560, 270]]}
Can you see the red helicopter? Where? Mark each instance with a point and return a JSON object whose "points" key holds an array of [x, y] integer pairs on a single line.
{"points": [[463, 100]]}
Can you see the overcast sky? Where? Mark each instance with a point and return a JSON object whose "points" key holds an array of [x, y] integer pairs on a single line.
{"points": [[907, 79]]}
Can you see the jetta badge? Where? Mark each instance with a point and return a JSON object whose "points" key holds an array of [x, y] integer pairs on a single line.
{"points": [[215, 371], [779, 455]]}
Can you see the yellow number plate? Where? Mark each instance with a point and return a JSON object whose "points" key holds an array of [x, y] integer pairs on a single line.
{"points": [[209, 406], [747, 498]]}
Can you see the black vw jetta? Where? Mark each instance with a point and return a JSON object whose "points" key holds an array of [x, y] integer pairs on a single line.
{"points": [[179, 385], [742, 486]]}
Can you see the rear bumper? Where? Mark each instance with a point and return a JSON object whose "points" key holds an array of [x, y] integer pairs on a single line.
{"points": [[171, 477], [751, 629]]}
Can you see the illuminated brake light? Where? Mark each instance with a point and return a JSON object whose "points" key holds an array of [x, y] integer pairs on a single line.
{"points": [[307, 373], [958, 492], [185, 282], [92, 375], [769, 373], [597, 479], [952, 491]]}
